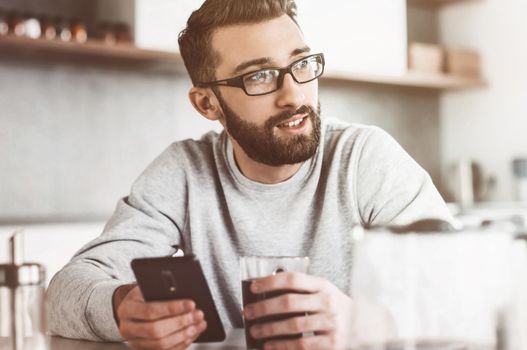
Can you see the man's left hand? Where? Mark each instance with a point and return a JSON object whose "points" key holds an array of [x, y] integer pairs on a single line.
{"points": [[327, 311]]}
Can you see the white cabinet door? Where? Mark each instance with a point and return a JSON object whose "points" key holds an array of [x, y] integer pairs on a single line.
{"points": [[357, 36], [158, 22]]}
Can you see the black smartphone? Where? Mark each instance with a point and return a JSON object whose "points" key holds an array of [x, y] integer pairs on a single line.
{"points": [[169, 278]]}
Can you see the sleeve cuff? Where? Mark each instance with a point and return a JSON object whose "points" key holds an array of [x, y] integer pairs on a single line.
{"points": [[99, 311]]}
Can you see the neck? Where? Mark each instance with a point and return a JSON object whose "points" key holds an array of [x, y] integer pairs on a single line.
{"points": [[260, 172]]}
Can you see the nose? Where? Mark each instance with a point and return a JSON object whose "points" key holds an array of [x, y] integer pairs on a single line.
{"points": [[290, 94]]}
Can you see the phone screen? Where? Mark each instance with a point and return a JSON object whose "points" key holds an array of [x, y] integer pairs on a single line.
{"points": [[171, 278]]}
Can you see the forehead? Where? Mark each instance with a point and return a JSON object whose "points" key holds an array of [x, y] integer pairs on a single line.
{"points": [[275, 39]]}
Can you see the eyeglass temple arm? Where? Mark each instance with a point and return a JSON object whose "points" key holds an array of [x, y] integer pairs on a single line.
{"points": [[226, 82]]}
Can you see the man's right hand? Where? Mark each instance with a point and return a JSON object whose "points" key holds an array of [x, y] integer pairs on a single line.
{"points": [[156, 325]]}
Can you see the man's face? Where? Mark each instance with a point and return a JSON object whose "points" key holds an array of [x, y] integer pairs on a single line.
{"points": [[279, 128]]}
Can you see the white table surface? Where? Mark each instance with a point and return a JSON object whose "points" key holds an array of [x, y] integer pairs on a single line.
{"points": [[235, 341]]}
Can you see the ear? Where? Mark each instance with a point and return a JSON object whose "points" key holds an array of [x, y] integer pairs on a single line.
{"points": [[205, 102]]}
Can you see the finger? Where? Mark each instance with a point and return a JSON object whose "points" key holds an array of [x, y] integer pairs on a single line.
{"points": [[202, 326], [285, 303], [296, 281], [160, 328], [182, 346], [180, 339], [141, 311], [293, 325], [135, 294], [318, 342]]}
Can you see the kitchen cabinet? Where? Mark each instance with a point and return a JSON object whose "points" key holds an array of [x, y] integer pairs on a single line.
{"points": [[366, 41], [423, 28], [158, 23], [357, 49], [358, 37]]}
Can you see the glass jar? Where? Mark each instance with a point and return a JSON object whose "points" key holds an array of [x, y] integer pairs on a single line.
{"points": [[4, 23], [49, 28], [63, 29], [79, 33]]}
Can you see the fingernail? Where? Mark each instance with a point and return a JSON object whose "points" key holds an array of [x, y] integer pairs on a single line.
{"points": [[269, 346], [249, 312], [197, 316], [192, 331], [256, 331], [190, 305]]}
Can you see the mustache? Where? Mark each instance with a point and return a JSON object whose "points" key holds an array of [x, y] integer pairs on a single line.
{"points": [[282, 117]]}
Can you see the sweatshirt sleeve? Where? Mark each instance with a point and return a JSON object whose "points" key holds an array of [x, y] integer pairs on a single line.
{"points": [[392, 189], [146, 223]]}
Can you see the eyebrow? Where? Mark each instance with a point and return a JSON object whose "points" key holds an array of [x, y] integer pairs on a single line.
{"points": [[265, 60]]}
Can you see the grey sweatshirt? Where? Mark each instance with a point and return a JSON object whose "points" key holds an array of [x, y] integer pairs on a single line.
{"points": [[195, 196]]}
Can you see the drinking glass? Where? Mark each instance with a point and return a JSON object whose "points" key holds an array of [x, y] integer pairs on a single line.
{"points": [[254, 267]]}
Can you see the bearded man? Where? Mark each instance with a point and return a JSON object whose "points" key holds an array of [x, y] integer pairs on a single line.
{"points": [[279, 180]]}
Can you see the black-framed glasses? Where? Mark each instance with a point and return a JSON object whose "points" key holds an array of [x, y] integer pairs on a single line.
{"points": [[267, 80]]}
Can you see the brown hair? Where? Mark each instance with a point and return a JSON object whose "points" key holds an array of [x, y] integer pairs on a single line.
{"points": [[195, 41]]}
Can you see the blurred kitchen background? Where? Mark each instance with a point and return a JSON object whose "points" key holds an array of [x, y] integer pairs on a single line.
{"points": [[91, 91]]}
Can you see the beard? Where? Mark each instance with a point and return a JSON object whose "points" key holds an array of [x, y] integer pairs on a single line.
{"points": [[262, 145]]}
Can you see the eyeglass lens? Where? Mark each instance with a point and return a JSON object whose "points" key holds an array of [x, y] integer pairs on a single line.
{"points": [[267, 80]]}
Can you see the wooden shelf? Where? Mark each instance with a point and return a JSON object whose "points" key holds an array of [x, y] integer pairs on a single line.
{"points": [[411, 79], [435, 3], [129, 56], [89, 52]]}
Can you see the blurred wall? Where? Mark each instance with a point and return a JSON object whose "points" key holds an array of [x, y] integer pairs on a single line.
{"points": [[488, 125], [73, 137]]}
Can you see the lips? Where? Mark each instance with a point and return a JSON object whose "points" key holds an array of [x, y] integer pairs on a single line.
{"points": [[292, 122]]}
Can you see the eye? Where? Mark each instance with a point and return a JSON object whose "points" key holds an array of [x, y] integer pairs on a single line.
{"points": [[303, 64], [261, 77]]}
